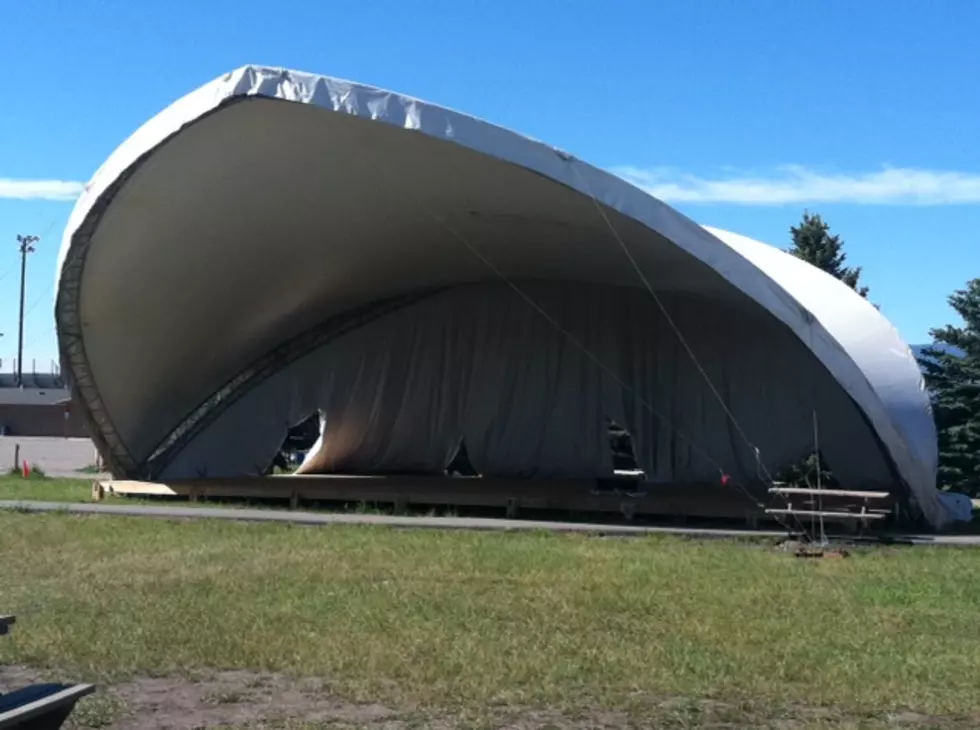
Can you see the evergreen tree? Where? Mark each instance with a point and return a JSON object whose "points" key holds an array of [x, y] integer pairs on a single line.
{"points": [[813, 243], [952, 373]]}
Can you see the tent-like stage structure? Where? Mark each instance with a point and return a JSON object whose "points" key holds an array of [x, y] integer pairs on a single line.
{"points": [[278, 244]]}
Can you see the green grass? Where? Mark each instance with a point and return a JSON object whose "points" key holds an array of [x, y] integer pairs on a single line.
{"points": [[476, 620], [44, 489]]}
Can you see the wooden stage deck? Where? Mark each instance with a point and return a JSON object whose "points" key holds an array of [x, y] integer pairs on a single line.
{"points": [[511, 496]]}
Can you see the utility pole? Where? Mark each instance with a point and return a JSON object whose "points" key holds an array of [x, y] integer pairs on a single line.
{"points": [[26, 244]]}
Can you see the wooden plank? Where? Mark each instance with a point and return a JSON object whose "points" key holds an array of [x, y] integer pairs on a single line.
{"points": [[835, 515], [816, 503], [134, 488], [830, 492]]}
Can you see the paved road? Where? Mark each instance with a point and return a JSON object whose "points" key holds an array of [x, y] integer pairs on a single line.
{"points": [[327, 518], [443, 523], [59, 457]]}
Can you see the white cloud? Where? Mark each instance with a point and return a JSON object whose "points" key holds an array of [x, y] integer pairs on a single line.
{"points": [[40, 189], [794, 184], [787, 184]]}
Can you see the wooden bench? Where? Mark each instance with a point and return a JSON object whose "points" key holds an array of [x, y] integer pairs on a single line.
{"points": [[813, 501], [830, 492], [870, 515]]}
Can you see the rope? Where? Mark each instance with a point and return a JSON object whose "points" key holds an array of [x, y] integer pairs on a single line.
{"points": [[760, 466], [598, 362], [595, 359], [37, 301], [671, 322], [575, 341]]}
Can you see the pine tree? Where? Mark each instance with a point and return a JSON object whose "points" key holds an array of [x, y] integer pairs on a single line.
{"points": [[952, 373], [813, 243]]}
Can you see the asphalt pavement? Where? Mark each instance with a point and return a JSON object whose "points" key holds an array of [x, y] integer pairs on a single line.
{"points": [[58, 457], [440, 523]]}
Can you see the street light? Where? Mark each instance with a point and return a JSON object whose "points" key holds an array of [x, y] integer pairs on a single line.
{"points": [[26, 244]]}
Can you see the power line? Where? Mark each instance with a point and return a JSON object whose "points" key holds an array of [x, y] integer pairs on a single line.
{"points": [[7, 273], [38, 301]]}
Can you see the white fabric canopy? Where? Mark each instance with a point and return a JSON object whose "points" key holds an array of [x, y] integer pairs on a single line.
{"points": [[249, 255]]}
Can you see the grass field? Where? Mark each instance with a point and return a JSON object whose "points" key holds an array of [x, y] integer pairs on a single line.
{"points": [[434, 629], [43, 489]]}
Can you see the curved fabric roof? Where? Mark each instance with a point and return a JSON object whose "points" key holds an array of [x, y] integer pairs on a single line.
{"points": [[218, 253]]}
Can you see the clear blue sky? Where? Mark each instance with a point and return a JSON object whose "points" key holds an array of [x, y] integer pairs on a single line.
{"points": [[745, 112]]}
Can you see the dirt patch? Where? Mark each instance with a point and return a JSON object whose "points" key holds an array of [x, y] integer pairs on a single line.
{"points": [[244, 700], [223, 700]]}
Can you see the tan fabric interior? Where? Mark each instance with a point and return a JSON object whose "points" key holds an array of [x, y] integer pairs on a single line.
{"points": [[256, 237]]}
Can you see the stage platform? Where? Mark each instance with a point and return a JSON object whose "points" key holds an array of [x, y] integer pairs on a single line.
{"points": [[622, 498]]}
